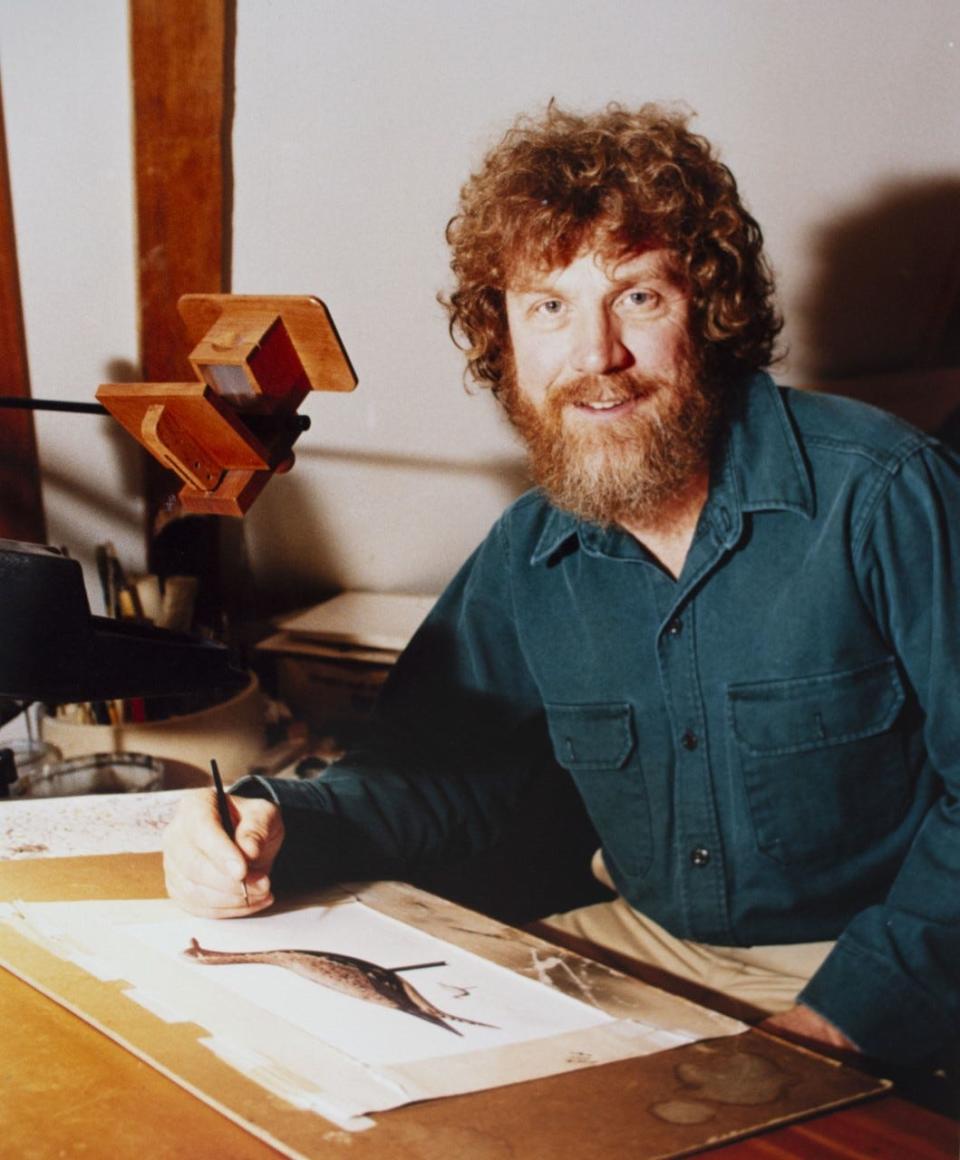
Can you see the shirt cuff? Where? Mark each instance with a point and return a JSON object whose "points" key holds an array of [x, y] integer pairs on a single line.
{"points": [[283, 791], [320, 847], [884, 1013]]}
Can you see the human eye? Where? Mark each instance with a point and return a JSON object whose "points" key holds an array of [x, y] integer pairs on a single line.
{"points": [[549, 306], [641, 299]]}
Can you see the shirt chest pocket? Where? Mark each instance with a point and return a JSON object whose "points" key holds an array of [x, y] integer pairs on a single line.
{"points": [[823, 765], [597, 744]]}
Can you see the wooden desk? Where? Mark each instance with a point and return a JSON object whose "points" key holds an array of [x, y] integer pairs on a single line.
{"points": [[70, 1091]]}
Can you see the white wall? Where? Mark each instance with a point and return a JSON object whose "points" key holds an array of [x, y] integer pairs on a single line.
{"points": [[66, 96], [356, 121]]}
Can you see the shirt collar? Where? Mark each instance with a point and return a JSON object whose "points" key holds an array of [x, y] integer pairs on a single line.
{"points": [[758, 466], [762, 452]]}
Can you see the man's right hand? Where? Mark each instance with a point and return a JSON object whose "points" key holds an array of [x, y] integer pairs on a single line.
{"points": [[205, 871]]}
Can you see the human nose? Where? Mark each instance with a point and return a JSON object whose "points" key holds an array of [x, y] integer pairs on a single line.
{"points": [[598, 346]]}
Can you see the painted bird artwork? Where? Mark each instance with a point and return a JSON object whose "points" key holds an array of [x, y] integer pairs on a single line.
{"points": [[348, 975]]}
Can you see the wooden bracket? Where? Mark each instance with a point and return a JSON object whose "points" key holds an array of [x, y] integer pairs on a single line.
{"points": [[256, 358]]}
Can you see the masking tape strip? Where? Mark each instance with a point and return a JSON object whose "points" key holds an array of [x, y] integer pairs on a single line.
{"points": [[150, 1002], [287, 1087], [534, 1058]]}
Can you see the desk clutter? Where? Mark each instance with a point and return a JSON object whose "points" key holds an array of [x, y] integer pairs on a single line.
{"points": [[85, 781], [330, 662], [233, 728]]}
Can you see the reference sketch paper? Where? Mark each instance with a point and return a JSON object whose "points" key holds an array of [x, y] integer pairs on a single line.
{"points": [[340, 1008]]}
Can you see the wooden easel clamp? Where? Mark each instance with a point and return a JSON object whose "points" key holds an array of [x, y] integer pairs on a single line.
{"points": [[256, 358]]}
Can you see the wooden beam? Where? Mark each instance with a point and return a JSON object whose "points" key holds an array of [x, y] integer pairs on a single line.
{"points": [[182, 69], [21, 501]]}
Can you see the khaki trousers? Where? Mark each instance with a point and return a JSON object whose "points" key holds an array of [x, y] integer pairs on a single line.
{"points": [[749, 982]]}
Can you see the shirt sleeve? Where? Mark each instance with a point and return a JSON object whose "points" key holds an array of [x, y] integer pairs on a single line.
{"points": [[457, 733], [892, 983]]}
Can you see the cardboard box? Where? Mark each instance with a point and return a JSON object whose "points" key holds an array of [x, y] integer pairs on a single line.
{"points": [[332, 696], [330, 661]]}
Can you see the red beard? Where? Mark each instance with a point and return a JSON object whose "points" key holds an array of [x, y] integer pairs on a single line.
{"points": [[626, 468]]}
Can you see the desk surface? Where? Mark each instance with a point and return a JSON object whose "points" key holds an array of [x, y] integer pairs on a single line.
{"points": [[70, 1091]]}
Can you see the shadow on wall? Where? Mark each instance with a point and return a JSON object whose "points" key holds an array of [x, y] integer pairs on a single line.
{"points": [[882, 316], [300, 559], [83, 480], [887, 294], [84, 487], [509, 471]]}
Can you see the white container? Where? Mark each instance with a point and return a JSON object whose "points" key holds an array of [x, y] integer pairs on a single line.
{"points": [[232, 732]]}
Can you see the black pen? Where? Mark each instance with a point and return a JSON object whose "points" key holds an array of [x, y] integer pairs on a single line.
{"points": [[224, 810]]}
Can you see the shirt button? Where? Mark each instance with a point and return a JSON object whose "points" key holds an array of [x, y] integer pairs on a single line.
{"points": [[699, 856], [689, 740], [674, 627]]}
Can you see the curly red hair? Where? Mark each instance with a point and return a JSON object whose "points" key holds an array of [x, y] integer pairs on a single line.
{"points": [[619, 181]]}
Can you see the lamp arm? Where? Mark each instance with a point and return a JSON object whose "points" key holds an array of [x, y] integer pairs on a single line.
{"points": [[19, 403]]}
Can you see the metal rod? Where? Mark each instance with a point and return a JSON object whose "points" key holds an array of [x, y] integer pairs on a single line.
{"points": [[292, 422], [18, 403]]}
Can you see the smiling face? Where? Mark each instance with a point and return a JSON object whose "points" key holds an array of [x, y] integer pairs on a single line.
{"points": [[604, 385]]}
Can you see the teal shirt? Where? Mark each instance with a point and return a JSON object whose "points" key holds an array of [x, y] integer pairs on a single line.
{"points": [[768, 746]]}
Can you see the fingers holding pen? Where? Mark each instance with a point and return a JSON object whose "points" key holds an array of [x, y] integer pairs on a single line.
{"points": [[206, 872], [258, 831], [202, 867]]}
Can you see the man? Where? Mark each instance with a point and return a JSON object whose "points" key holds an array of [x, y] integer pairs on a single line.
{"points": [[727, 612]]}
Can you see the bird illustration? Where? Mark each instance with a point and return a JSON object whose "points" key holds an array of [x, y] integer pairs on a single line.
{"points": [[351, 976]]}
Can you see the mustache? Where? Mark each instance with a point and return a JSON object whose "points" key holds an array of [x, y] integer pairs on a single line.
{"points": [[617, 387]]}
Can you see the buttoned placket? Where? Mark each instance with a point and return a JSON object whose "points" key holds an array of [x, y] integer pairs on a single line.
{"points": [[701, 875]]}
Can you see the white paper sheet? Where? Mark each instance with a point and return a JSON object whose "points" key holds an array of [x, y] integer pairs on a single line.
{"points": [[466, 987]]}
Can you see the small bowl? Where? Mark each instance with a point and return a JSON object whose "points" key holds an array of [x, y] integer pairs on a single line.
{"points": [[98, 773]]}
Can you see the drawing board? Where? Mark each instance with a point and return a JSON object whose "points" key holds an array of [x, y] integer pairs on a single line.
{"points": [[342, 1056], [220, 1048]]}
